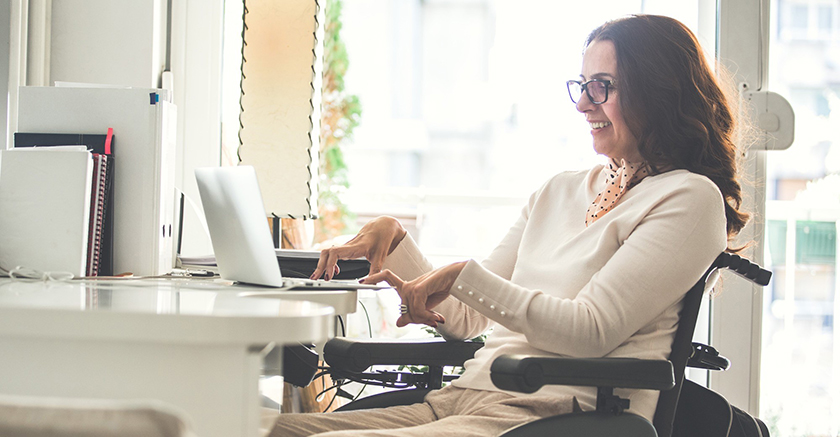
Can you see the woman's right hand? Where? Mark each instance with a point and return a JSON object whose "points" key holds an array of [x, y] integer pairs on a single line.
{"points": [[375, 241]]}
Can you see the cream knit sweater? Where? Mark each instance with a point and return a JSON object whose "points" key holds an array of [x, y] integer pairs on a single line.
{"points": [[554, 287]]}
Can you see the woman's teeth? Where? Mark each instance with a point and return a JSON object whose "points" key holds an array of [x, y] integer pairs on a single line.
{"points": [[600, 124]]}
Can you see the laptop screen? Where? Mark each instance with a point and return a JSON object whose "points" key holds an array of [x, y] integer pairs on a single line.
{"points": [[238, 225]]}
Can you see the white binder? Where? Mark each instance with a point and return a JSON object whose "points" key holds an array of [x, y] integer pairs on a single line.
{"points": [[144, 153], [44, 209]]}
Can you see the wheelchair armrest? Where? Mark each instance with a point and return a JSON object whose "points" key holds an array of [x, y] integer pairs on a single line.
{"points": [[356, 355], [528, 374]]}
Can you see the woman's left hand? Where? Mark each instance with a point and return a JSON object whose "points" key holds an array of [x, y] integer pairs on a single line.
{"points": [[423, 294]]}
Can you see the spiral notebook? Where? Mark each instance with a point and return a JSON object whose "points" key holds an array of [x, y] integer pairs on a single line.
{"points": [[98, 258]]}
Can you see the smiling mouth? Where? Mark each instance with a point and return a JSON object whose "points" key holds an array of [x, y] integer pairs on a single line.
{"points": [[600, 125]]}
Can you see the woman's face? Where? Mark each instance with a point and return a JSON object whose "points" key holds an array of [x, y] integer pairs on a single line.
{"points": [[610, 135]]}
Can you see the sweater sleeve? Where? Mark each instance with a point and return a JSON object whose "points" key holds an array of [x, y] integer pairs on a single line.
{"points": [[664, 255], [406, 261], [462, 320]]}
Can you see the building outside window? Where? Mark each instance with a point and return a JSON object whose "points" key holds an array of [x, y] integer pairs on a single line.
{"points": [[800, 379]]}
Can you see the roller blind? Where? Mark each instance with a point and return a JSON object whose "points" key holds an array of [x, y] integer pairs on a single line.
{"points": [[280, 102]]}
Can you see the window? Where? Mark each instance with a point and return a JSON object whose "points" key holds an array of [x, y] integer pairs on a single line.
{"points": [[806, 20], [801, 340], [825, 19], [464, 111]]}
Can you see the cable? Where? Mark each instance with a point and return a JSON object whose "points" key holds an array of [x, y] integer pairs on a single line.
{"points": [[761, 39], [370, 334], [131, 277], [24, 273], [337, 385], [20, 272], [341, 323], [367, 316], [322, 392], [327, 408], [4, 273], [359, 393]]}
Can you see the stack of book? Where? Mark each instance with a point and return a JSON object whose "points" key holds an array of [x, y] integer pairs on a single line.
{"points": [[56, 204]]}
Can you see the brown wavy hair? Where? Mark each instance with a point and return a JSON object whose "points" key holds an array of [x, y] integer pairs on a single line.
{"points": [[674, 104]]}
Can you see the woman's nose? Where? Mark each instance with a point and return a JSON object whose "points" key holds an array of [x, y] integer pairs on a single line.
{"points": [[584, 104]]}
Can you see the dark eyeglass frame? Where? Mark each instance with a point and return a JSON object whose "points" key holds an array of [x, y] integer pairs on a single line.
{"points": [[584, 86]]}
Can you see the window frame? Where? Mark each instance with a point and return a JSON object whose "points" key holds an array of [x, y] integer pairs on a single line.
{"points": [[736, 315]]}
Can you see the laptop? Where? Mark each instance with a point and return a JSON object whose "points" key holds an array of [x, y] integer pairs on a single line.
{"points": [[240, 234]]}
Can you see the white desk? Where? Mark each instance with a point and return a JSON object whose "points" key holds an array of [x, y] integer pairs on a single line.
{"points": [[181, 342], [342, 301]]}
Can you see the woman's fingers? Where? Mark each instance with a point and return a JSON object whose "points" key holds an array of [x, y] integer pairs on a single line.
{"points": [[432, 321], [374, 241], [328, 261], [377, 259], [322, 265], [418, 296], [421, 295], [411, 296], [332, 262], [417, 307], [387, 276]]}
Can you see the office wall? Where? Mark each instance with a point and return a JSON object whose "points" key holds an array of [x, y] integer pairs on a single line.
{"points": [[5, 28], [105, 41], [196, 64], [130, 42]]}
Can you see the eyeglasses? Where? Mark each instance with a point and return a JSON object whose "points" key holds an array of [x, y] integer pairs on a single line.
{"points": [[596, 89]]}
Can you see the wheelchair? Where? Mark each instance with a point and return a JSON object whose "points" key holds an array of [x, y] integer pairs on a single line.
{"points": [[685, 409]]}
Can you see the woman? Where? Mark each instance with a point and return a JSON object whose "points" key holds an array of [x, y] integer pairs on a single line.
{"points": [[599, 261]]}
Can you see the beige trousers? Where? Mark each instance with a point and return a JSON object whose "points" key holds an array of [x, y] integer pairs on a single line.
{"points": [[451, 411]]}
